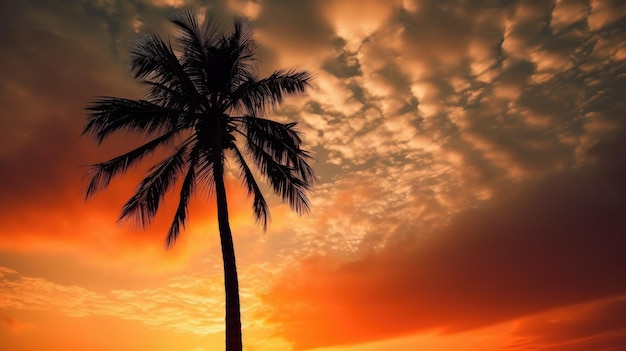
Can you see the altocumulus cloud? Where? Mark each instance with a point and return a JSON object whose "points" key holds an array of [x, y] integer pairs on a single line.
{"points": [[480, 149]]}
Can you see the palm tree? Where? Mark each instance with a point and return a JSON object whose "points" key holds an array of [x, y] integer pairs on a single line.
{"points": [[204, 102]]}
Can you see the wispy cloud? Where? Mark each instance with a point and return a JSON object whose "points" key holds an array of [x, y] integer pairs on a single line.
{"points": [[187, 304]]}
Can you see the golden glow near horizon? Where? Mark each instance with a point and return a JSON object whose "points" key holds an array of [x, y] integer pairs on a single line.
{"points": [[470, 195]]}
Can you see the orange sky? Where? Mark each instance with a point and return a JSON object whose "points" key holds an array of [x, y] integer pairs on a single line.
{"points": [[471, 194]]}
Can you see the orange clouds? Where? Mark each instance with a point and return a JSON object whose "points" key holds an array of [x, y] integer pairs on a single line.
{"points": [[556, 243], [187, 304], [357, 20], [56, 332], [302, 29], [12, 324], [594, 326]]}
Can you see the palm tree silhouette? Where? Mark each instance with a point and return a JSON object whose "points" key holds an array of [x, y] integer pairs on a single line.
{"points": [[205, 102]]}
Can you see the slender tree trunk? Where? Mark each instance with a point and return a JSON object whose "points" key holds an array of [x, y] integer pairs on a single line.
{"points": [[233, 315]]}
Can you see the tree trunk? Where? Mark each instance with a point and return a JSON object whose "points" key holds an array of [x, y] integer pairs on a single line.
{"points": [[233, 315]]}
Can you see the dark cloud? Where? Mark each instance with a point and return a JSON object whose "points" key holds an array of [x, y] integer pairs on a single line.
{"points": [[52, 67], [556, 242], [297, 25], [596, 326], [48, 75], [44, 170], [344, 64], [42, 181], [9, 322]]}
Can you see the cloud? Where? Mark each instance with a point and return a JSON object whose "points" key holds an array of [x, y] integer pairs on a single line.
{"points": [[12, 324], [553, 243], [297, 25], [186, 304], [385, 111], [595, 326], [604, 13]]}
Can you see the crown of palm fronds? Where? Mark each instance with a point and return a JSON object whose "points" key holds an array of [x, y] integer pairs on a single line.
{"points": [[205, 101]]}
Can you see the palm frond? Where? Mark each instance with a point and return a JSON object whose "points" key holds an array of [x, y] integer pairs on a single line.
{"points": [[204, 170], [193, 44], [101, 174], [144, 204], [180, 217], [153, 59], [241, 41], [110, 114], [282, 142], [240, 74], [283, 179], [197, 35], [230, 60], [259, 205], [189, 37], [164, 96], [258, 97]]}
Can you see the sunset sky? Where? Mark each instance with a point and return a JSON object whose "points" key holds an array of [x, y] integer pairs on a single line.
{"points": [[471, 158]]}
